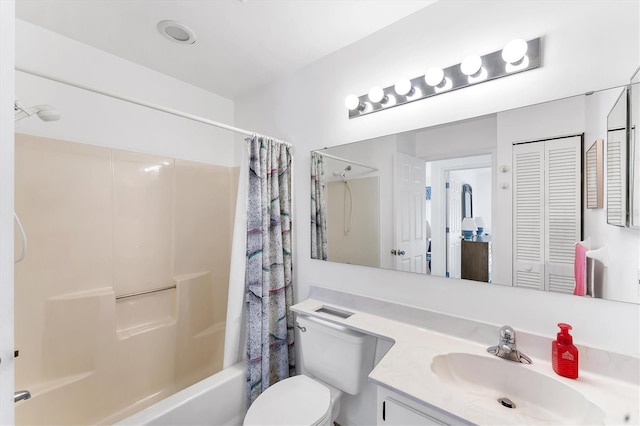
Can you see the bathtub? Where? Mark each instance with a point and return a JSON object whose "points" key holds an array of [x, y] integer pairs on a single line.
{"points": [[217, 400]]}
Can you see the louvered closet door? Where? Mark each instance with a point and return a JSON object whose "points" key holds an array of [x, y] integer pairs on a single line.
{"points": [[528, 215], [563, 205], [546, 213]]}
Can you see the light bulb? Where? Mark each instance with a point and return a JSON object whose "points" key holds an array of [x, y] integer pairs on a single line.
{"points": [[434, 76], [352, 102], [471, 65], [514, 51], [376, 95], [403, 87]]}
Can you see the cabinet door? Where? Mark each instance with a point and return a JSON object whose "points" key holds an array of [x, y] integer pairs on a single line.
{"points": [[397, 410], [398, 414]]}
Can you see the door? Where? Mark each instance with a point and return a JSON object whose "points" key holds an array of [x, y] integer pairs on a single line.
{"points": [[409, 214], [528, 215], [547, 213], [454, 222]]}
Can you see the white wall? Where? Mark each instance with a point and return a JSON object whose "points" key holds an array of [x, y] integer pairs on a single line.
{"points": [[537, 122], [579, 48], [480, 181], [99, 120], [353, 221], [7, 8], [470, 137]]}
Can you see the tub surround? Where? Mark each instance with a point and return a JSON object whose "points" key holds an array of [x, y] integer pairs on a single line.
{"points": [[608, 380], [103, 223]]}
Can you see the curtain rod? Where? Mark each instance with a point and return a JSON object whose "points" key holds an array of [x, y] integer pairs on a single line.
{"points": [[141, 103], [355, 163]]}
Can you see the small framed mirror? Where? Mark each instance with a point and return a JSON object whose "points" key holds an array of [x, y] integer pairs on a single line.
{"points": [[617, 171], [594, 168], [467, 201]]}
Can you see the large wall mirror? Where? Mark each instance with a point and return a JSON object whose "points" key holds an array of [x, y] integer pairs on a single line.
{"points": [[400, 201]]}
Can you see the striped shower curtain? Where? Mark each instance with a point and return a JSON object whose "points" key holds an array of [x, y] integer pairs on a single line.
{"points": [[269, 293], [318, 208]]}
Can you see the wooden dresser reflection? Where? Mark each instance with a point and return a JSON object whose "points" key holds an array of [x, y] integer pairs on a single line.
{"points": [[476, 259]]}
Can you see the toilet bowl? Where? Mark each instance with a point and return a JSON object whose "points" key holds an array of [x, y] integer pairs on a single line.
{"points": [[298, 400], [337, 360]]}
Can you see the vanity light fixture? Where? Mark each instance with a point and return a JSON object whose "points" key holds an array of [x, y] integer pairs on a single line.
{"points": [[352, 102], [514, 51], [518, 55], [515, 56], [377, 96], [471, 65], [403, 87], [435, 78]]}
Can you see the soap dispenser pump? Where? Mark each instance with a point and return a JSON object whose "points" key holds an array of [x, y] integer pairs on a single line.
{"points": [[564, 355]]}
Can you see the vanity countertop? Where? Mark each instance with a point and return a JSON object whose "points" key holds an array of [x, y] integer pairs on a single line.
{"points": [[406, 369]]}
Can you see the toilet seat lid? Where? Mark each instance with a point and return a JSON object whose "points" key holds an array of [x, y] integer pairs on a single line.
{"points": [[298, 400]]}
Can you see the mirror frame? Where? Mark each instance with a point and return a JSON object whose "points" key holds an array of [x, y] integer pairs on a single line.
{"points": [[634, 151], [617, 157]]}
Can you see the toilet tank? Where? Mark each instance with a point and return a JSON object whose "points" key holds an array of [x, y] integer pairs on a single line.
{"points": [[338, 356]]}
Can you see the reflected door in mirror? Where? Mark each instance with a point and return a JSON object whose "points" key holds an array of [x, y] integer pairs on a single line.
{"points": [[547, 214]]}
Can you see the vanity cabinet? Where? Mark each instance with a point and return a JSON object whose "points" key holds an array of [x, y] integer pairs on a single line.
{"points": [[397, 410]]}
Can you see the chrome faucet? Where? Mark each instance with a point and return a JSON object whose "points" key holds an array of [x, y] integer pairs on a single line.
{"points": [[20, 395], [507, 348]]}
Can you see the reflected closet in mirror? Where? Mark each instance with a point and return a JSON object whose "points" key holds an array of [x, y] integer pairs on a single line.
{"points": [[617, 171]]}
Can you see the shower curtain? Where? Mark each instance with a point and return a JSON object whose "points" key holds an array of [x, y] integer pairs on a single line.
{"points": [[318, 208], [269, 294]]}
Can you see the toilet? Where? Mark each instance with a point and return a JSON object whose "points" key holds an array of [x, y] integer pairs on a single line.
{"points": [[336, 360]]}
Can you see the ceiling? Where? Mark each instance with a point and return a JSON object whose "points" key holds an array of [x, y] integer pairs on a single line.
{"points": [[241, 45]]}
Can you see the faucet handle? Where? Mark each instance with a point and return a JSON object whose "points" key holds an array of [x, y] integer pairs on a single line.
{"points": [[507, 335]]}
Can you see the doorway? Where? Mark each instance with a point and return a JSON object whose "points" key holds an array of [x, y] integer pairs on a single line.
{"points": [[445, 207]]}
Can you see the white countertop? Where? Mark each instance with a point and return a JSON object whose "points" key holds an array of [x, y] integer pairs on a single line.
{"points": [[406, 369]]}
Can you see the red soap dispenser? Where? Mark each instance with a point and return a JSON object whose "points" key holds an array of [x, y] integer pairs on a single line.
{"points": [[564, 355]]}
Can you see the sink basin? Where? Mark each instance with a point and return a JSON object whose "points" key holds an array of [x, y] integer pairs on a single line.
{"points": [[500, 391]]}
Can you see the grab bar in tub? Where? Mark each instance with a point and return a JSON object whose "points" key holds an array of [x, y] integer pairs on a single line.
{"points": [[140, 293]]}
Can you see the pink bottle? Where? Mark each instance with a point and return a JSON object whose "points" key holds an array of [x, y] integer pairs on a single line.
{"points": [[564, 355]]}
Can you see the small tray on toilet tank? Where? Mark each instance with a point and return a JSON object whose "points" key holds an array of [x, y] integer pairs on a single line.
{"points": [[334, 311]]}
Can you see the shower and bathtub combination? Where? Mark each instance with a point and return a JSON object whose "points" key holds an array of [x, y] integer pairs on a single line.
{"points": [[132, 290], [121, 300]]}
